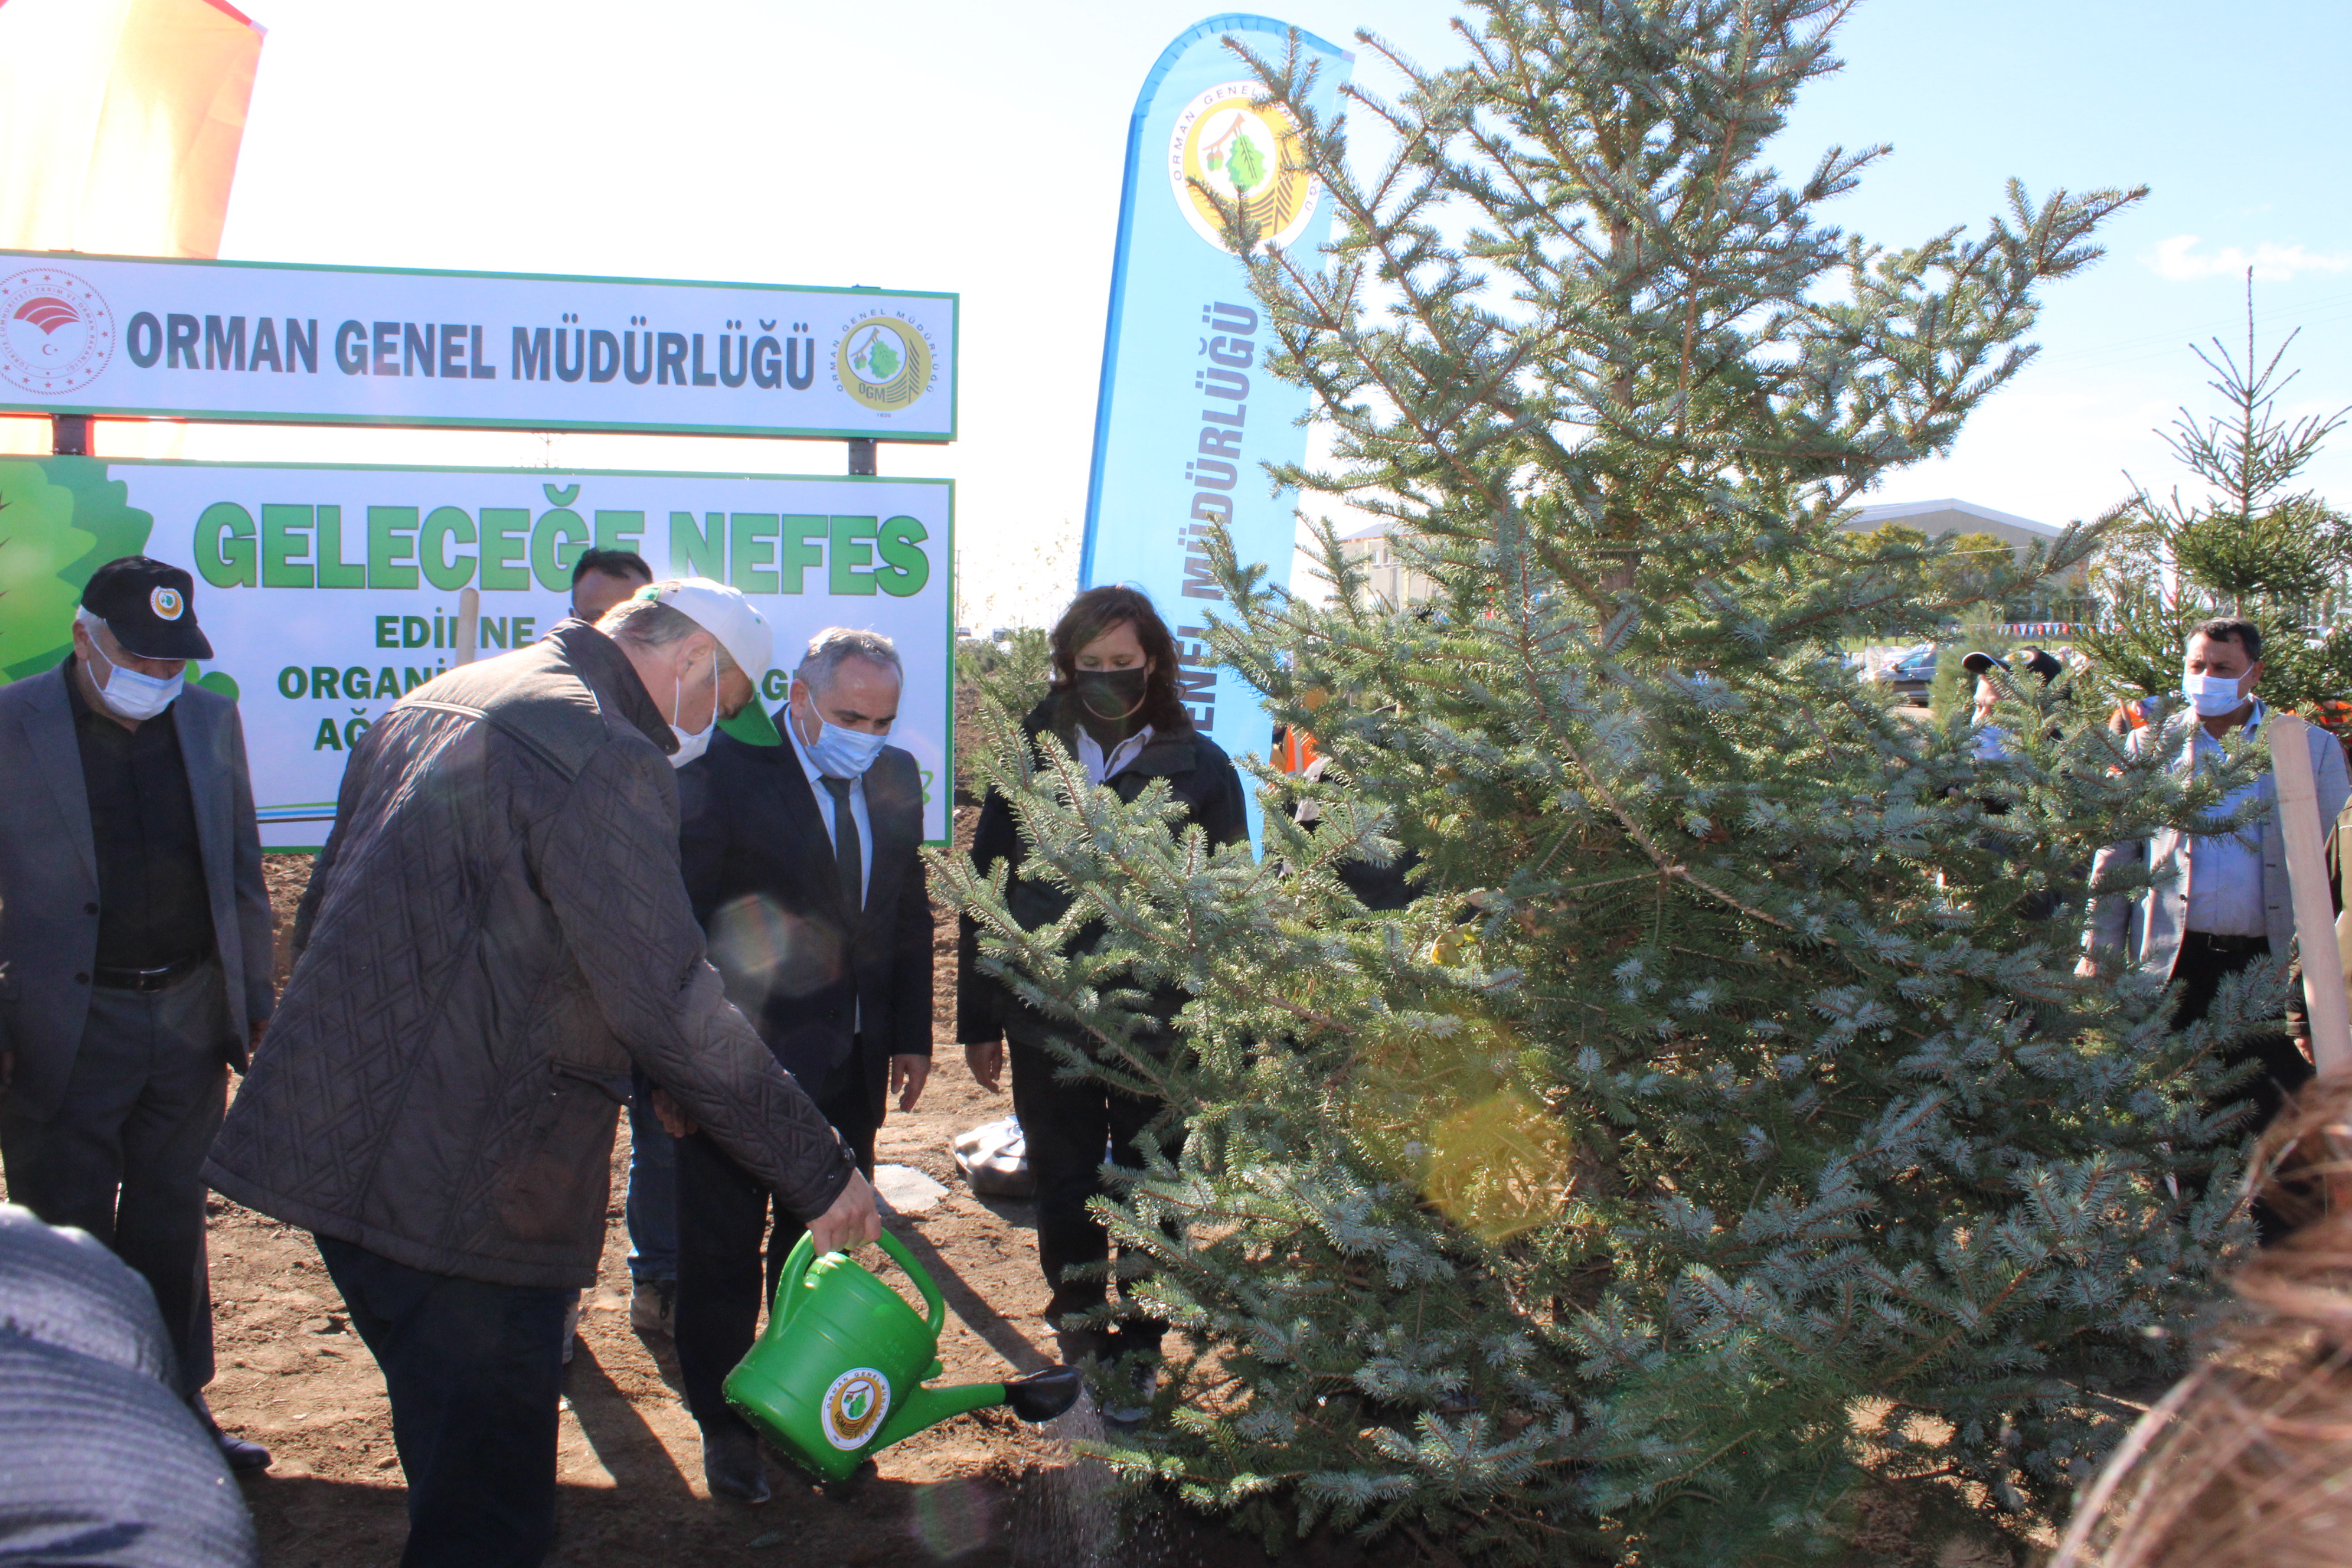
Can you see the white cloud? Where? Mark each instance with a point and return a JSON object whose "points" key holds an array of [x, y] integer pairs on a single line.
{"points": [[2178, 260]]}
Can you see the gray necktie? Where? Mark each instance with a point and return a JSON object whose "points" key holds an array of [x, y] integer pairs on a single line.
{"points": [[845, 848]]}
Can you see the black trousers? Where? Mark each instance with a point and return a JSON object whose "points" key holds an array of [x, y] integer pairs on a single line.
{"points": [[1068, 1126], [2200, 971], [123, 1157], [722, 1212], [476, 1373]]}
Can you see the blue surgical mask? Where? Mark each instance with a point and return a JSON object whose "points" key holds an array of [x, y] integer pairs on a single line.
{"points": [[842, 754], [130, 695]]}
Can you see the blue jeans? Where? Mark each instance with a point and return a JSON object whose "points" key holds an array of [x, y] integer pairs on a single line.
{"points": [[653, 1190], [475, 1371]]}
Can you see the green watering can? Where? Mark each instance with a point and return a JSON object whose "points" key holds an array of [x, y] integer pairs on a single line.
{"points": [[838, 1376]]}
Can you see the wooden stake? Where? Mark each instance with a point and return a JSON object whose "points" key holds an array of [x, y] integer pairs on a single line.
{"points": [[470, 625], [2315, 917]]}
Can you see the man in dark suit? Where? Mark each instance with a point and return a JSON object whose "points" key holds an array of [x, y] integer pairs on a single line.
{"points": [[802, 861], [135, 949]]}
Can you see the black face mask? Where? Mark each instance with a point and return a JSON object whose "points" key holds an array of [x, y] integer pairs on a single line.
{"points": [[1111, 702]]}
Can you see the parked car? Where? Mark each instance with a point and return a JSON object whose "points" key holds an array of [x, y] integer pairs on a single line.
{"points": [[1912, 674]]}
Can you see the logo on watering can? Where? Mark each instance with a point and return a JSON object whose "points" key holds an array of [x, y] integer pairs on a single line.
{"points": [[854, 1405]]}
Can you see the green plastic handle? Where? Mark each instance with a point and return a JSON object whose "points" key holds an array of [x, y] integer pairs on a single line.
{"points": [[797, 1268], [804, 1253], [932, 1298]]}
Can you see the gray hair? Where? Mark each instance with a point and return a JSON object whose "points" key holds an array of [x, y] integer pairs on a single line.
{"points": [[649, 623], [837, 646], [97, 624]]}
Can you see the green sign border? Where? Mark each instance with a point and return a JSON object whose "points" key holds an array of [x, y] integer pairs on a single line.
{"points": [[218, 416], [946, 780]]}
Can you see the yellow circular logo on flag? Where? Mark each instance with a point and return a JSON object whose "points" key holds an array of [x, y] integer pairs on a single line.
{"points": [[166, 602], [883, 362], [854, 1407], [1228, 151]]}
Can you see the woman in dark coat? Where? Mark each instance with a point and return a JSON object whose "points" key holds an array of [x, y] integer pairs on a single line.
{"points": [[1114, 703]]}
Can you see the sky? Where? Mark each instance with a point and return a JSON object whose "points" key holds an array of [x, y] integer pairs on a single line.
{"points": [[977, 149]]}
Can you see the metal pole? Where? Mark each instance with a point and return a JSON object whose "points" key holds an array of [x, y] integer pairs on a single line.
{"points": [[2306, 869]]}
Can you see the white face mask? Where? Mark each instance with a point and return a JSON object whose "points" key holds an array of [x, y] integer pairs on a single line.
{"points": [[128, 694], [690, 746], [2211, 695]]}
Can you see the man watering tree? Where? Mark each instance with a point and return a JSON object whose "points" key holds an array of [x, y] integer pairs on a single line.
{"points": [[495, 932]]}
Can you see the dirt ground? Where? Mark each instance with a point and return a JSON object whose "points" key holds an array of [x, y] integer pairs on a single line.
{"points": [[976, 1491]]}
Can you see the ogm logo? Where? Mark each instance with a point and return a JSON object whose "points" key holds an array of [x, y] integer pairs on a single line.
{"points": [[854, 1407], [166, 603], [57, 334], [884, 362], [1226, 146]]}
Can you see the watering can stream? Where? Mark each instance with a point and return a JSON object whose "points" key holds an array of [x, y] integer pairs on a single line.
{"points": [[839, 1373]]}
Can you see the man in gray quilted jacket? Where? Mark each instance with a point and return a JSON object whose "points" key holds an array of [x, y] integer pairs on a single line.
{"points": [[496, 930]]}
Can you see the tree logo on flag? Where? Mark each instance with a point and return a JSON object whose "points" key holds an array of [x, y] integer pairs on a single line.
{"points": [[1227, 148], [57, 334], [883, 362]]}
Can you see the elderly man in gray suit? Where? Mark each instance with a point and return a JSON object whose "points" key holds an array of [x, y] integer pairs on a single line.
{"points": [[2220, 902], [135, 949]]}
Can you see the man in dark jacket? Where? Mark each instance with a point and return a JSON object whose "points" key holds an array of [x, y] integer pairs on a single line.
{"points": [[496, 929], [802, 863], [135, 949]]}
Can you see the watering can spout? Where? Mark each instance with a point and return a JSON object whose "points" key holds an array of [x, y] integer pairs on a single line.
{"points": [[1038, 1397], [927, 1408]]}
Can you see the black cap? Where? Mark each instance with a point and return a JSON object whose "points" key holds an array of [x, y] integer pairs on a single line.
{"points": [[150, 607]]}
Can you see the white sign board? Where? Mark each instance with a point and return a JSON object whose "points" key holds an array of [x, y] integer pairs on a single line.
{"points": [[261, 342], [329, 593]]}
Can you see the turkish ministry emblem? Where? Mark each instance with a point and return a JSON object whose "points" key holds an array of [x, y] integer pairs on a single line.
{"points": [[57, 334], [1244, 154]]}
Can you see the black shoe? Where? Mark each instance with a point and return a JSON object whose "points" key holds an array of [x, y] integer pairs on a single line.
{"points": [[849, 1488], [1132, 1384], [243, 1453], [732, 1463]]}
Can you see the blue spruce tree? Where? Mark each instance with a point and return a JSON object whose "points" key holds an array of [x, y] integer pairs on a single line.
{"points": [[1723, 1133]]}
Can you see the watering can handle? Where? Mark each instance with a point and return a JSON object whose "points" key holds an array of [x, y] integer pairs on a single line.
{"points": [[797, 1268], [932, 1299]]}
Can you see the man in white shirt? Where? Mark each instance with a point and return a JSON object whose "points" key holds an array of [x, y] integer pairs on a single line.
{"points": [[2221, 903], [802, 861]]}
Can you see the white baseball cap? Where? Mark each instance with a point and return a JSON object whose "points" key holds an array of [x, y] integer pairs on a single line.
{"points": [[725, 613]]}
